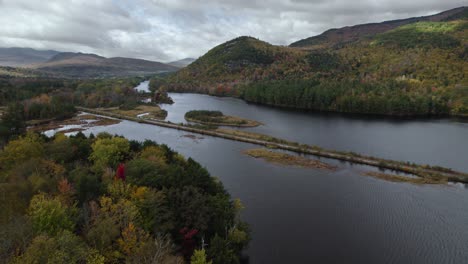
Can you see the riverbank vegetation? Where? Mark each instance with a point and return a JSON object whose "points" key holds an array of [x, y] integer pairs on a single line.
{"points": [[217, 118], [106, 199], [287, 159]]}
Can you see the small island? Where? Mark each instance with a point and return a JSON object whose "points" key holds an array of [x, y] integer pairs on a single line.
{"points": [[408, 179], [217, 118], [146, 111]]}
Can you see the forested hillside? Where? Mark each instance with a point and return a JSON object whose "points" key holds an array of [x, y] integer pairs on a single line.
{"points": [[416, 69]]}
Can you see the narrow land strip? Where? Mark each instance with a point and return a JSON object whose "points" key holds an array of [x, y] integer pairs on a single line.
{"points": [[424, 171]]}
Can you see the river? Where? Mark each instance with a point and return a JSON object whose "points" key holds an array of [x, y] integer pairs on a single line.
{"points": [[143, 87], [302, 215], [441, 142]]}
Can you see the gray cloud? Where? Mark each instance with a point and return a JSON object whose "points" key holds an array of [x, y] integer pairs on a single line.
{"points": [[173, 29]]}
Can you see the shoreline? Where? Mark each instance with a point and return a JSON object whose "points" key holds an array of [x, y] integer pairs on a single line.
{"points": [[253, 124], [426, 116], [423, 171]]}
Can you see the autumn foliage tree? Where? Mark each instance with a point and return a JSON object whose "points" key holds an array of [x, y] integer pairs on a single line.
{"points": [[64, 209]]}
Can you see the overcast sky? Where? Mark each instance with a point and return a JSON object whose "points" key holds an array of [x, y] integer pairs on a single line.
{"points": [[167, 30]]}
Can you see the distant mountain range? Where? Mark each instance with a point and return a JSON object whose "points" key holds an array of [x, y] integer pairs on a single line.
{"points": [[15, 57], [349, 34], [414, 66], [79, 65]]}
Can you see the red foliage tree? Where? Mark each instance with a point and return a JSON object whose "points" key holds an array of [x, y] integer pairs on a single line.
{"points": [[120, 174], [188, 243]]}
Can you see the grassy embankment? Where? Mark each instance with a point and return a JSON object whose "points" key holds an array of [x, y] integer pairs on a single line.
{"points": [[217, 118]]}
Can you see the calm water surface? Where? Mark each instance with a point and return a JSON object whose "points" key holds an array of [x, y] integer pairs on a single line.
{"points": [[315, 216], [441, 142]]}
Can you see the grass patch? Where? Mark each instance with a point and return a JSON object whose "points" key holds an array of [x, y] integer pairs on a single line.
{"points": [[151, 111], [286, 159], [217, 118], [398, 178]]}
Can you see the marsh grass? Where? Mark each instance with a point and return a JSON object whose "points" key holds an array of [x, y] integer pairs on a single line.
{"points": [[407, 179], [287, 159], [216, 118]]}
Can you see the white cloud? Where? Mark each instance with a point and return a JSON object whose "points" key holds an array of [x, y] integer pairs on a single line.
{"points": [[173, 29]]}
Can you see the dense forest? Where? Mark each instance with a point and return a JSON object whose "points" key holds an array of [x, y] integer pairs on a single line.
{"points": [[106, 199], [394, 98], [26, 100], [103, 199], [415, 69]]}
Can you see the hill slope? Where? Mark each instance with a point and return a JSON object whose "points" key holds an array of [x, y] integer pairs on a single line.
{"points": [[232, 62], [182, 63], [80, 65], [416, 69], [333, 37], [15, 57]]}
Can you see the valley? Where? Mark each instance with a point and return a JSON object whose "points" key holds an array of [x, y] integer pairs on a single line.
{"points": [[184, 138]]}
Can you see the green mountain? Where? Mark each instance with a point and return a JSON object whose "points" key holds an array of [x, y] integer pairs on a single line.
{"points": [[418, 68], [234, 62]]}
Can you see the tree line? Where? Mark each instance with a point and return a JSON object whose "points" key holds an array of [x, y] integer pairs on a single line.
{"points": [[390, 97]]}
